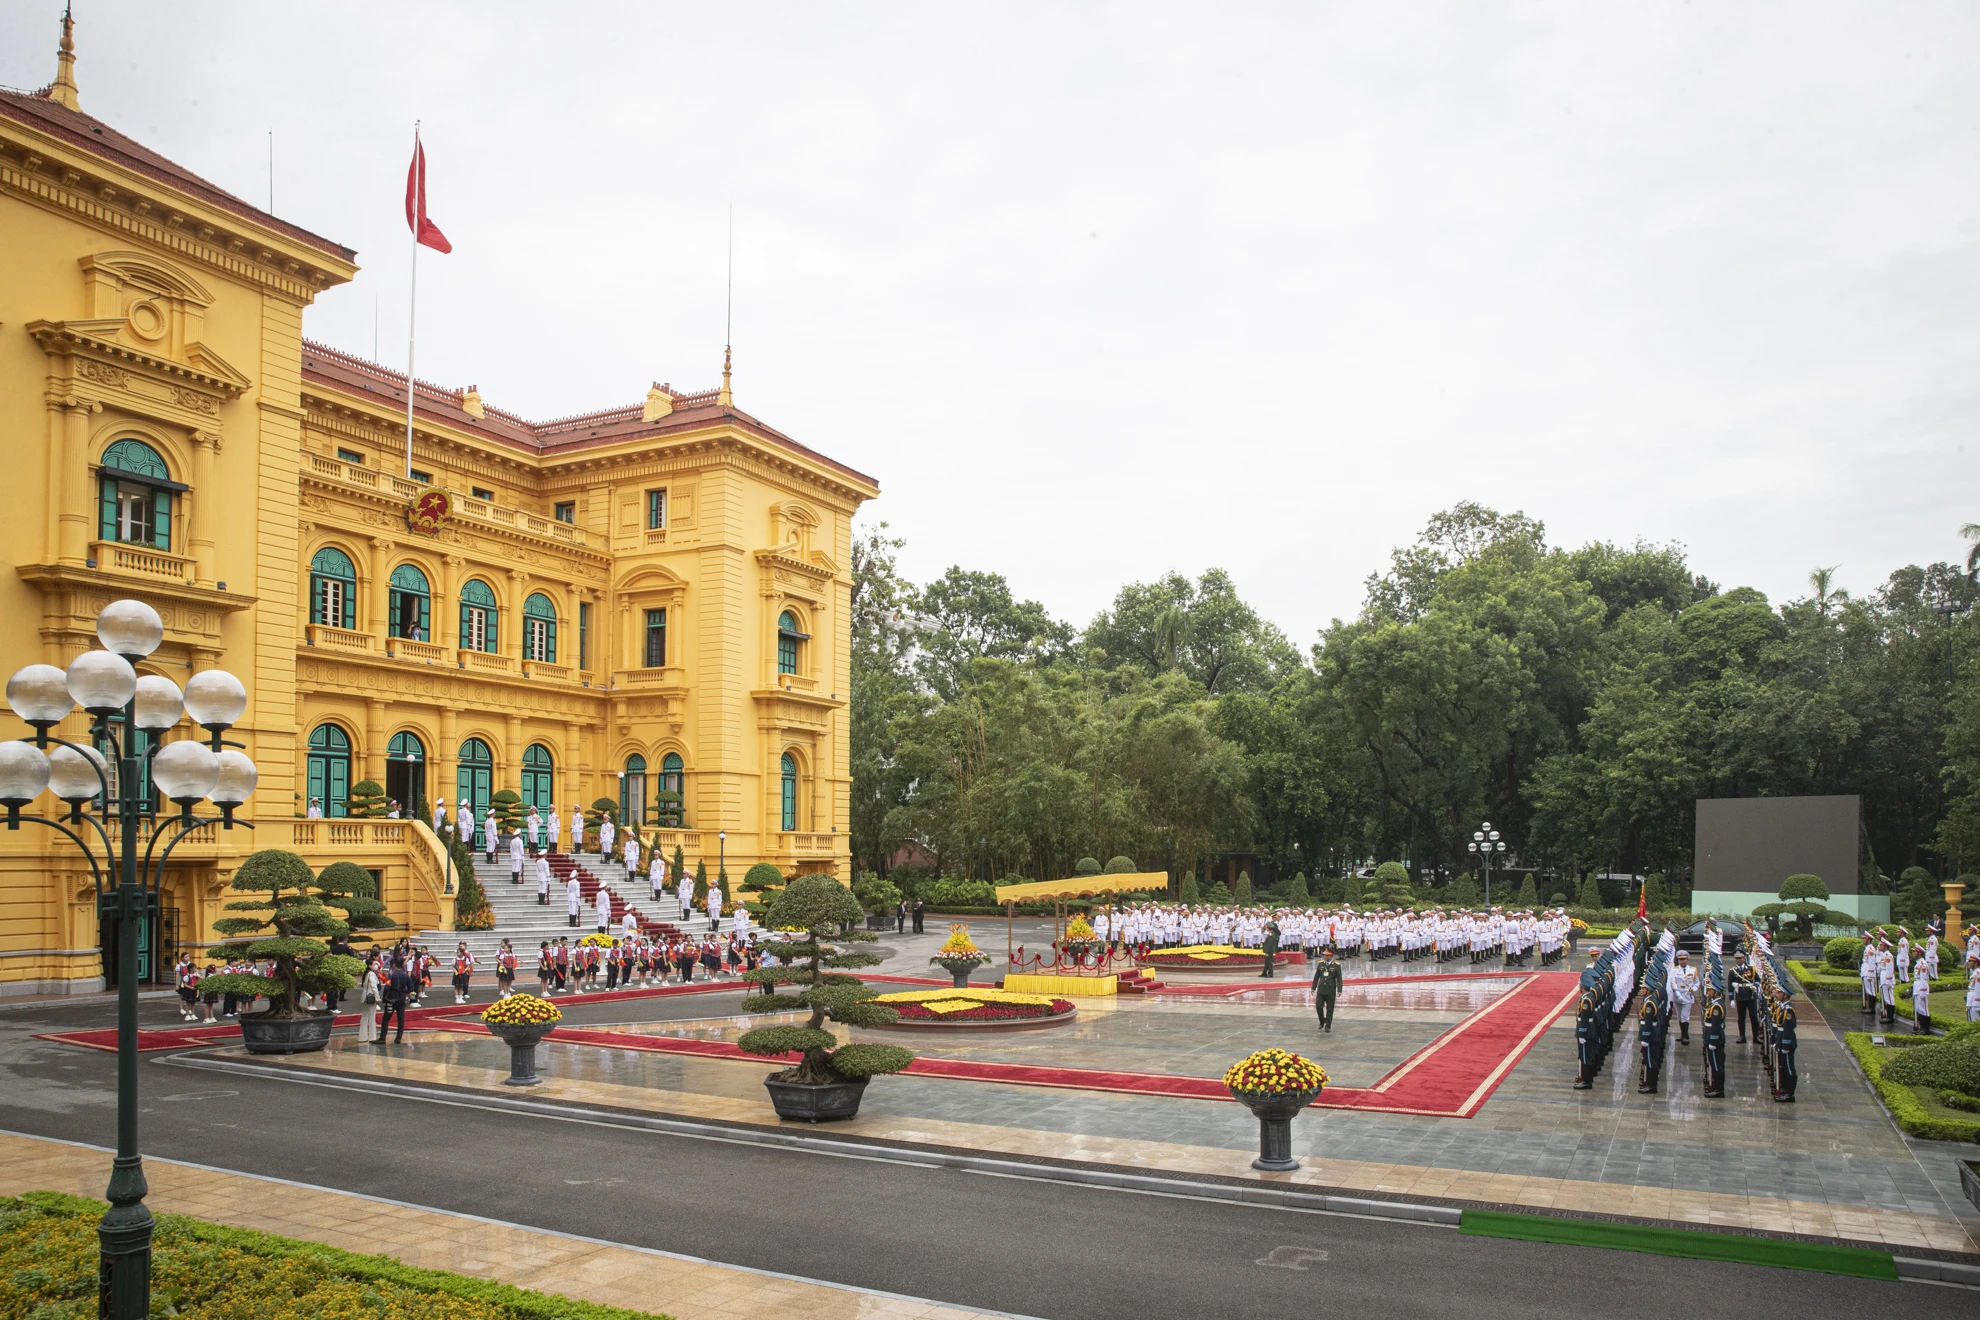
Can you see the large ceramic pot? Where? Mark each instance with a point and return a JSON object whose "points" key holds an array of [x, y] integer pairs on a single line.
{"points": [[815, 1102], [960, 968], [522, 1050], [1276, 1111], [263, 1034]]}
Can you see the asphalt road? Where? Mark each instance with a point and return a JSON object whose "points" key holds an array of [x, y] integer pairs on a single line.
{"points": [[1032, 1248]]}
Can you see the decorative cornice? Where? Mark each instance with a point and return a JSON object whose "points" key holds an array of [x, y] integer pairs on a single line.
{"points": [[77, 197], [210, 376]]}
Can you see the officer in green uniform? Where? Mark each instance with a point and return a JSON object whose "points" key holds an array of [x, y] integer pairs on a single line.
{"points": [[1271, 949], [1326, 987]]}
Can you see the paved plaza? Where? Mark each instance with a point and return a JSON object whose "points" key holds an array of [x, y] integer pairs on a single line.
{"points": [[1831, 1166]]}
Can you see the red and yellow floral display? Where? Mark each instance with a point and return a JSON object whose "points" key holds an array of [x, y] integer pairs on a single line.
{"points": [[1205, 955], [959, 944], [973, 1005], [521, 1010], [1275, 1071]]}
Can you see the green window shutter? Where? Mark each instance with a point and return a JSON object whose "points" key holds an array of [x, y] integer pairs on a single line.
{"points": [[161, 519], [108, 504], [551, 631]]}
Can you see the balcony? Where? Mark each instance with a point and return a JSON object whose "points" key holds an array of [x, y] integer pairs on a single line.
{"points": [[323, 636], [544, 669], [667, 676], [487, 662], [404, 648], [141, 561], [356, 474]]}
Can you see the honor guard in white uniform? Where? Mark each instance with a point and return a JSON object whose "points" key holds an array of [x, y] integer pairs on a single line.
{"points": [[554, 825], [573, 897], [1684, 992], [604, 910], [577, 828], [607, 831], [515, 859], [543, 880]]}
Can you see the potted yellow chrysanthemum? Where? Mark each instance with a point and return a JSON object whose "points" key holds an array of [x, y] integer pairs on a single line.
{"points": [[522, 1020], [1275, 1085]]}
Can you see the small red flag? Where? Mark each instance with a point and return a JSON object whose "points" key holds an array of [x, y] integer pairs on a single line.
{"points": [[425, 231], [1643, 902]]}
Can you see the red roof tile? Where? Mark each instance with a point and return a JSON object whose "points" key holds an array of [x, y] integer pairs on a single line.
{"points": [[558, 438], [99, 139]]}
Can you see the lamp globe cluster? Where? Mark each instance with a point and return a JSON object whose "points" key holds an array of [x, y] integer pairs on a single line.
{"points": [[104, 684]]}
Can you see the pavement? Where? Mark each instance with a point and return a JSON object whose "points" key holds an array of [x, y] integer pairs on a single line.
{"points": [[920, 1233]]}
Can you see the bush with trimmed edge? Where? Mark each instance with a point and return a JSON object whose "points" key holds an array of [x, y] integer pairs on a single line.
{"points": [[1087, 866], [1186, 892], [763, 875], [293, 936], [367, 799], [1951, 1064], [1242, 897], [1845, 952], [1119, 866], [48, 1262]]}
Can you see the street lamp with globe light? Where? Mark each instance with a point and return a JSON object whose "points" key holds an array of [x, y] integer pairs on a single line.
{"points": [[1484, 843], [121, 705]]}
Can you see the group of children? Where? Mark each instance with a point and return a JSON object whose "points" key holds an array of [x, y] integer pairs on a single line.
{"points": [[636, 961]]}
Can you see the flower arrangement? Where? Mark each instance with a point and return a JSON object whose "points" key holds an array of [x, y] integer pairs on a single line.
{"points": [[1275, 1071], [521, 1010], [1577, 925], [1213, 954], [1080, 931], [482, 918], [597, 941], [972, 1005], [958, 945]]}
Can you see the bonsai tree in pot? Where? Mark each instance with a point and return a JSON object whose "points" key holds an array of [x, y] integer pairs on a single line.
{"points": [[350, 889], [812, 915], [302, 962]]}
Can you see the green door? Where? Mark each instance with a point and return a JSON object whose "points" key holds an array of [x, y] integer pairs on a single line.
{"points": [[538, 788], [476, 781], [329, 769]]}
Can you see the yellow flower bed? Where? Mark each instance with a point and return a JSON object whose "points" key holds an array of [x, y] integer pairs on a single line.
{"points": [[970, 996]]}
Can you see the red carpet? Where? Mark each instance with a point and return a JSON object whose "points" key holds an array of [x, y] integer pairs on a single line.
{"points": [[1451, 1077], [152, 1039]]}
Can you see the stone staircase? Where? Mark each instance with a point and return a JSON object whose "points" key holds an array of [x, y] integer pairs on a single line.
{"points": [[525, 923]]}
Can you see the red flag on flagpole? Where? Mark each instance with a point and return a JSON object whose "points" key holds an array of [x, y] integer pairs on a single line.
{"points": [[424, 230], [1642, 902]]}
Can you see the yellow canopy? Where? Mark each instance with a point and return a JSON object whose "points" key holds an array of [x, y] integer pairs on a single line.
{"points": [[1081, 886]]}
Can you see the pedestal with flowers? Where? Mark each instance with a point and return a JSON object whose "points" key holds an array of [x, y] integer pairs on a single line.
{"points": [[522, 1020], [959, 955], [1275, 1085]]}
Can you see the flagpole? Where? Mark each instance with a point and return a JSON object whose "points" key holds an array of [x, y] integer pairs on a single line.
{"points": [[412, 314]]}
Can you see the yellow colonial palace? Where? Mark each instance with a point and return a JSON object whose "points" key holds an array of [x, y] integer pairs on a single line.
{"points": [[647, 604]]}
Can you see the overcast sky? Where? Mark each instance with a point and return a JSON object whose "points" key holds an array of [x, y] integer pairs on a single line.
{"points": [[1096, 291]]}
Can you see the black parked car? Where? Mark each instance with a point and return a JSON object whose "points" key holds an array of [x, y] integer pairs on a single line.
{"points": [[1731, 934]]}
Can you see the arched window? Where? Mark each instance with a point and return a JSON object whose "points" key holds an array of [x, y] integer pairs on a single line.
{"points": [[135, 496], [412, 600], [789, 639], [672, 798], [538, 787], [478, 617], [632, 791], [790, 792], [475, 781], [329, 770], [405, 774], [333, 588], [540, 629]]}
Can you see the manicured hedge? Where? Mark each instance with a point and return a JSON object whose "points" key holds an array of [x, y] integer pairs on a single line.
{"points": [[1916, 1111], [45, 1259]]}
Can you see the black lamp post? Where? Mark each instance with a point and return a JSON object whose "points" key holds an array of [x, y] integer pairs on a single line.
{"points": [[106, 685], [1484, 842]]}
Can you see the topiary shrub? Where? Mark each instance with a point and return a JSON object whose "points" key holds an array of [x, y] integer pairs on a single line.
{"points": [[351, 889], [1219, 895], [1653, 892], [367, 799], [1556, 899], [813, 909], [1353, 892], [1186, 892], [300, 925], [507, 804], [1463, 891], [1242, 895], [1296, 891], [1120, 866], [763, 875], [1391, 886], [1806, 899], [1591, 892], [1953, 1064], [1086, 866], [1529, 893], [1845, 952]]}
